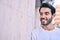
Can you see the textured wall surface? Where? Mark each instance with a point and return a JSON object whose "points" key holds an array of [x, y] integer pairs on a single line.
{"points": [[17, 19], [57, 17]]}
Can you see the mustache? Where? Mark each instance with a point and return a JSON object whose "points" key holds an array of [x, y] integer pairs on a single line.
{"points": [[43, 19]]}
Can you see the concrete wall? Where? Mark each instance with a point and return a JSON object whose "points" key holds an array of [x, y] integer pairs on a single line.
{"points": [[17, 19]]}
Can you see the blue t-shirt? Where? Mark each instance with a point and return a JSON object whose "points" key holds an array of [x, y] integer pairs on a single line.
{"points": [[41, 34]]}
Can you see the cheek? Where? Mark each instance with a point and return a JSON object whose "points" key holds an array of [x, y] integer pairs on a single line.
{"points": [[39, 16], [49, 16]]}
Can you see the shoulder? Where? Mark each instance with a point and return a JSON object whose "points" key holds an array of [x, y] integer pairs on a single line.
{"points": [[36, 30], [34, 33], [57, 29]]}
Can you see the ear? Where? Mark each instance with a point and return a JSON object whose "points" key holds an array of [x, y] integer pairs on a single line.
{"points": [[54, 15]]}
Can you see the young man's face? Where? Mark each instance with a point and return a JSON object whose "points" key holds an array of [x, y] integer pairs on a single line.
{"points": [[45, 16]]}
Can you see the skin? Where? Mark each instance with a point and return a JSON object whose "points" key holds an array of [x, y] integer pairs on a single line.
{"points": [[46, 18]]}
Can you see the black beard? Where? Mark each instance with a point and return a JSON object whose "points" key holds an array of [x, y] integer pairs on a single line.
{"points": [[49, 21]]}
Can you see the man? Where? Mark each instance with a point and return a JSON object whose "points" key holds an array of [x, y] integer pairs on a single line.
{"points": [[47, 31]]}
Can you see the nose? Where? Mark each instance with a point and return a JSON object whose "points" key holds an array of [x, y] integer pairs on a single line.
{"points": [[43, 16]]}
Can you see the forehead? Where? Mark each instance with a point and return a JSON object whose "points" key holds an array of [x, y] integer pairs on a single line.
{"points": [[44, 9]]}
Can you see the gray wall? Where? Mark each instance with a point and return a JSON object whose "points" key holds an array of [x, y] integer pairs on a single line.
{"points": [[17, 19]]}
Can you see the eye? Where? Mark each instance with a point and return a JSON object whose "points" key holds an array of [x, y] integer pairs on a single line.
{"points": [[41, 13], [46, 13]]}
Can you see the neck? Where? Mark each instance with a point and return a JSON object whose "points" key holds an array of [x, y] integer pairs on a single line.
{"points": [[48, 27]]}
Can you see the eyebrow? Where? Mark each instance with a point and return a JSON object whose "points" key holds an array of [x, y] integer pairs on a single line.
{"points": [[46, 12]]}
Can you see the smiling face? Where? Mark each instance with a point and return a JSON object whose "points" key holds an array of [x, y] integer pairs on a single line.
{"points": [[45, 16]]}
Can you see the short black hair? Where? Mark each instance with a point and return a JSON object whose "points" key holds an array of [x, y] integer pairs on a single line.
{"points": [[46, 5]]}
